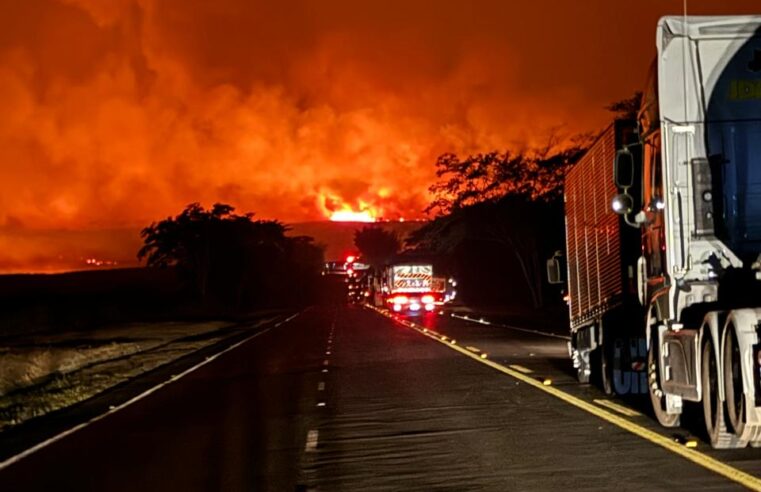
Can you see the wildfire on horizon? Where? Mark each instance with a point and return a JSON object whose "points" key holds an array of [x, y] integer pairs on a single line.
{"points": [[351, 216]]}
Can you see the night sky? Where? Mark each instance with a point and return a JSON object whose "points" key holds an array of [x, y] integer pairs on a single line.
{"points": [[117, 113]]}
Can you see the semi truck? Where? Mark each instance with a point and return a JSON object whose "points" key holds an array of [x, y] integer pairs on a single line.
{"points": [[664, 239]]}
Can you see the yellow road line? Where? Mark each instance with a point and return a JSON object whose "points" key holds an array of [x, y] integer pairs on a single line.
{"points": [[711, 464], [524, 370], [618, 408]]}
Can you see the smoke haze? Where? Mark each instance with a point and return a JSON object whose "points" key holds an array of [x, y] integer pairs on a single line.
{"points": [[118, 113]]}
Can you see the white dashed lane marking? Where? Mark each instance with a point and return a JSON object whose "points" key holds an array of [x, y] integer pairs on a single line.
{"points": [[312, 439]]}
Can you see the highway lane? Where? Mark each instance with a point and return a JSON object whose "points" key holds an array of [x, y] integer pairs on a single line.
{"points": [[542, 354], [342, 398], [237, 423]]}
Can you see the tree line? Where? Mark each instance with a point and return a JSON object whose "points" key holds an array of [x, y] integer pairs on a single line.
{"points": [[231, 260]]}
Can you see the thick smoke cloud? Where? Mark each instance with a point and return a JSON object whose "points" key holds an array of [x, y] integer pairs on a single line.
{"points": [[120, 112]]}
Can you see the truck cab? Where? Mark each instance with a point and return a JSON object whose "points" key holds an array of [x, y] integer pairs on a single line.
{"points": [[699, 273]]}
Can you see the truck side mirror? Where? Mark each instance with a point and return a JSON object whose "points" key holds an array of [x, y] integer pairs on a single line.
{"points": [[623, 169], [554, 272]]}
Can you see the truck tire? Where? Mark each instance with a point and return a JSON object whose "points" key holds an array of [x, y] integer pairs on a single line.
{"points": [[657, 397], [733, 383], [602, 368], [713, 407]]}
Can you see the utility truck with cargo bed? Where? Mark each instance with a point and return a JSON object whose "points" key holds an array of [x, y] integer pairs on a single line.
{"points": [[663, 245]]}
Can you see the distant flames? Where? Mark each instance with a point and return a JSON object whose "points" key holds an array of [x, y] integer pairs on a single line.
{"points": [[351, 216], [338, 210], [95, 262]]}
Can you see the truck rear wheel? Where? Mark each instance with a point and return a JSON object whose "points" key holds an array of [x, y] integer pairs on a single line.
{"points": [[733, 383], [657, 396], [602, 368], [713, 407]]}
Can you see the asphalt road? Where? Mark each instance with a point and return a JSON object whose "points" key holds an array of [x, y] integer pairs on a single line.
{"points": [[344, 399]]}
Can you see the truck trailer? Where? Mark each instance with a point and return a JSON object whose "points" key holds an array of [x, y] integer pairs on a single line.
{"points": [[688, 193], [602, 254]]}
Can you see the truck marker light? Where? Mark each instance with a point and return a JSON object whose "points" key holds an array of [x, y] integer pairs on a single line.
{"points": [[427, 299]]}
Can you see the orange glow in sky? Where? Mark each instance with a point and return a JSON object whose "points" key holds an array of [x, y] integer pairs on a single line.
{"points": [[119, 113]]}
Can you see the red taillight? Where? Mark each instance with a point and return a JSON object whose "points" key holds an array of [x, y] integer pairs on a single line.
{"points": [[428, 299], [400, 300]]}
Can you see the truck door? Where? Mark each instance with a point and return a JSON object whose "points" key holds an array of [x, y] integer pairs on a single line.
{"points": [[653, 233]]}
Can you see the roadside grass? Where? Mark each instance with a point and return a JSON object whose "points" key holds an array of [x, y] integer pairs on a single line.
{"points": [[41, 374]]}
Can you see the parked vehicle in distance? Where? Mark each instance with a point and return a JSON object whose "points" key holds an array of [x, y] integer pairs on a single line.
{"points": [[412, 288]]}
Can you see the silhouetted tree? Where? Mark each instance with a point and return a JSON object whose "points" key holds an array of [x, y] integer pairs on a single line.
{"points": [[230, 257], [376, 245], [504, 199], [627, 108], [489, 177]]}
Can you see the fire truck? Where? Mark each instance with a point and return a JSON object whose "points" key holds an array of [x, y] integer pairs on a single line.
{"points": [[411, 288]]}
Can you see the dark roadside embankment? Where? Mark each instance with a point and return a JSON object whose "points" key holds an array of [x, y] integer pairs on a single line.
{"points": [[65, 338]]}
